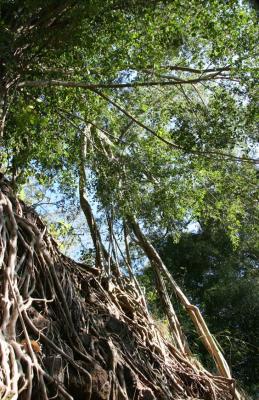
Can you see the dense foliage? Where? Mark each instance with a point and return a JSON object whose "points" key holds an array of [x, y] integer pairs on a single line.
{"points": [[172, 107]]}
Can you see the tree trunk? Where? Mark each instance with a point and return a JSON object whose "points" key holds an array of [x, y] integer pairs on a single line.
{"points": [[192, 310]]}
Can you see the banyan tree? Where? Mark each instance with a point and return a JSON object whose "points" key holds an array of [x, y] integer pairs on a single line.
{"points": [[142, 117]]}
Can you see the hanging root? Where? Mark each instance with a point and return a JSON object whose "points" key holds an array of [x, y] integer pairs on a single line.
{"points": [[72, 332]]}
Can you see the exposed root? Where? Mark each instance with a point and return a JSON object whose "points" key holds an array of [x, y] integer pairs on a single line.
{"points": [[74, 333]]}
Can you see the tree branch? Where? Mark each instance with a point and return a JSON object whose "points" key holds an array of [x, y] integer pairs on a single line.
{"points": [[173, 145], [194, 70], [88, 85]]}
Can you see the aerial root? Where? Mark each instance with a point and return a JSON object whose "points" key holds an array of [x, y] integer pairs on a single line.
{"points": [[66, 331]]}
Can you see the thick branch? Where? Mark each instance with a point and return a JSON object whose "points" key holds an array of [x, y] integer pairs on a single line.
{"points": [[195, 70], [87, 85]]}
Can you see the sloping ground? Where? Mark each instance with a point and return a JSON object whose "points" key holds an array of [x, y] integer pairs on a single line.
{"points": [[69, 331]]}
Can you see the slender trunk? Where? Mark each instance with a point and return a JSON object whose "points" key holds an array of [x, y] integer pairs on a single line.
{"points": [[84, 203], [102, 255], [3, 109], [192, 310], [175, 327]]}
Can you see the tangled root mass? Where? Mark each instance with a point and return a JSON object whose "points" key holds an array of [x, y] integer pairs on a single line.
{"points": [[70, 332]]}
